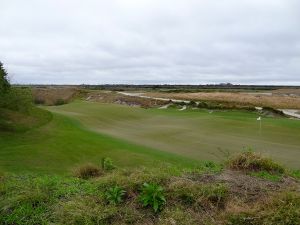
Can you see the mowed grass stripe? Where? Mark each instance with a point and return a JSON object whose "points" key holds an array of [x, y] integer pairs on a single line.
{"points": [[196, 134], [63, 144]]}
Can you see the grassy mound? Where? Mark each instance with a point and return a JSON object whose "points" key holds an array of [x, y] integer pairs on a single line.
{"points": [[251, 161], [18, 121]]}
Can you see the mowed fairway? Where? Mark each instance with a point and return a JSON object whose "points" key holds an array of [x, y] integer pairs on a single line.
{"points": [[196, 134], [63, 144]]}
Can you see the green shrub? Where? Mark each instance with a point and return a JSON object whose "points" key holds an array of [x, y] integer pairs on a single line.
{"points": [[17, 99], [4, 83], [192, 104], [251, 161], [107, 164], [114, 195], [152, 195], [202, 105], [39, 101], [87, 171]]}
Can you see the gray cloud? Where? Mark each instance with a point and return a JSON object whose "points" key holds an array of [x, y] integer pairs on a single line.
{"points": [[151, 41]]}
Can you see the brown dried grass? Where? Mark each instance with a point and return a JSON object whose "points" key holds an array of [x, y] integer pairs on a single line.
{"points": [[51, 96], [275, 101]]}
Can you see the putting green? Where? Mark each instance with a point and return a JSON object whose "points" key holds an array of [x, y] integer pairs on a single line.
{"points": [[197, 134]]}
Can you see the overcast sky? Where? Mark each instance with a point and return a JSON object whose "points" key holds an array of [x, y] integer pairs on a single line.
{"points": [[151, 41]]}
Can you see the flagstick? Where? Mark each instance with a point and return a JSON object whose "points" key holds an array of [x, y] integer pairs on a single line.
{"points": [[260, 126]]}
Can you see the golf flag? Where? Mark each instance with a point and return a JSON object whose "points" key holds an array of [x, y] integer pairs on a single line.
{"points": [[259, 118]]}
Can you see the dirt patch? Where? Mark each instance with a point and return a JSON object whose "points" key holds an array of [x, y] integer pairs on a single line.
{"points": [[114, 97], [244, 186]]}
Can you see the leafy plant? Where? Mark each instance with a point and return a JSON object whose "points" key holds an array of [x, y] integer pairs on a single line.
{"points": [[114, 195], [152, 195], [107, 164]]}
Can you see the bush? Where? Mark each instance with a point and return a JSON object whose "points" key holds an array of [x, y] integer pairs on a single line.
{"points": [[202, 105], [4, 83], [17, 99], [251, 161], [39, 101], [114, 195], [107, 164], [87, 171], [59, 102], [152, 195], [193, 104]]}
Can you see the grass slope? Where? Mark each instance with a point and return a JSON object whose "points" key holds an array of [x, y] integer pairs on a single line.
{"points": [[191, 197], [62, 144], [196, 134], [16, 121]]}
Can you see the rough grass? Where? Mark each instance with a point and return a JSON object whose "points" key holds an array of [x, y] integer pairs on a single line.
{"points": [[87, 171], [281, 209], [44, 199], [251, 162]]}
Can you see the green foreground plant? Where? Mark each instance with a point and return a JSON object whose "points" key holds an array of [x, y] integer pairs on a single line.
{"points": [[107, 164], [115, 194], [152, 195]]}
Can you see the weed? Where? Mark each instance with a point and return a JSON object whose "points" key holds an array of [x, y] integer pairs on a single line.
{"points": [[107, 164], [114, 195], [87, 171], [152, 195]]}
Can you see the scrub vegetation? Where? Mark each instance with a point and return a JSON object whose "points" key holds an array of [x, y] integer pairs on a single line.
{"points": [[164, 195]]}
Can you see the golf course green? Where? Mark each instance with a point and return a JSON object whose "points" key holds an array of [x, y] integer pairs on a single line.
{"points": [[83, 132]]}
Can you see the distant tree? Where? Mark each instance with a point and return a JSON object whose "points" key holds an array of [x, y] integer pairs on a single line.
{"points": [[4, 83]]}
